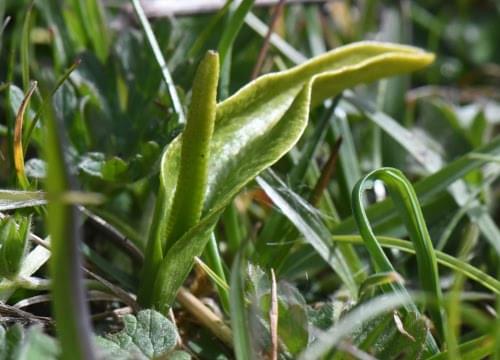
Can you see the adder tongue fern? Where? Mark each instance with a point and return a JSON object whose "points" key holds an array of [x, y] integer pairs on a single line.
{"points": [[192, 181], [190, 184]]}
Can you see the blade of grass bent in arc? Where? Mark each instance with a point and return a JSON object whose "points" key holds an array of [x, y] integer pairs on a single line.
{"points": [[69, 300], [261, 122], [426, 188], [432, 162], [406, 202]]}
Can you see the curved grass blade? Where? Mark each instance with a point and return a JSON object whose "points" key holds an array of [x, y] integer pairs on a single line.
{"points": [[18, 138], [426, 189], [69, 300], [46, 101], [406, 202], [259, 124], [432, 162]]}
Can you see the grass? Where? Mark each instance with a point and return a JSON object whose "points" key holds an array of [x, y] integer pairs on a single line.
{"points": [[157, 204]]}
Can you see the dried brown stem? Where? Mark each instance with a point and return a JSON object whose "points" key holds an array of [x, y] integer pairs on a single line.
{"points": [[326, 173], [205, 316], [278, 10]]}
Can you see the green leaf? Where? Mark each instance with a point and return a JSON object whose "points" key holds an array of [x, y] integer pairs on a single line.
{"points": [[10, 341], [15, 241], [31, 344], [262, 122], [37, 345], [148, 335]]}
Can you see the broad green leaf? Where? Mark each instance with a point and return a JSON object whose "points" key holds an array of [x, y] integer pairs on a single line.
{"points": [[149, 335], [263, 121]]}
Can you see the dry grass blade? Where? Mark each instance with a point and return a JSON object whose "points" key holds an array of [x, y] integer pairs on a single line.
{"points": [[114, 235], [326, 173], [8, 312], [265, 46], [18, 138], [205, 316]]}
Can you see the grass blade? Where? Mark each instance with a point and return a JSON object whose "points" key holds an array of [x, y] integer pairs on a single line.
{"points": [[69, 300], [442, 258], [231, 30], [239, 318], [153, 43], [311, 227], [407, 204]]}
